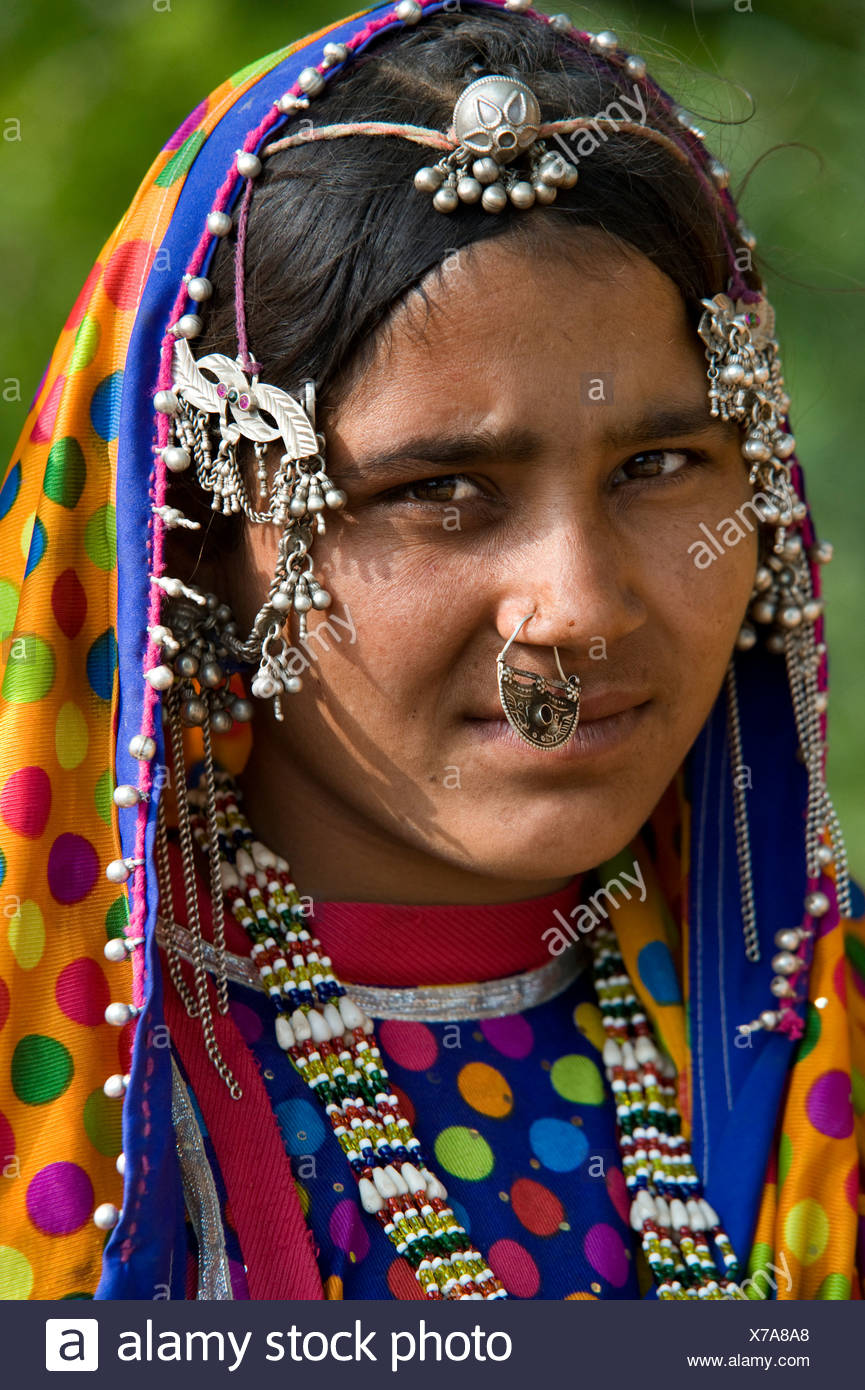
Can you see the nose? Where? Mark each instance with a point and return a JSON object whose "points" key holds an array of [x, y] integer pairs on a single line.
{"points": [[578, 586]]}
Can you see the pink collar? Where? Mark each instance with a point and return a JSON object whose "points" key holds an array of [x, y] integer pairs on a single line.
{"points": [[401, 945]]}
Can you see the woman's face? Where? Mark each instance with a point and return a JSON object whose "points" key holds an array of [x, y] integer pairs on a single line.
{"points": [[534, 439]]}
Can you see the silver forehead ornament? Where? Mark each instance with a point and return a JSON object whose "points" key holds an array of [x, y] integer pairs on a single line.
{"points": [[496, 123]]}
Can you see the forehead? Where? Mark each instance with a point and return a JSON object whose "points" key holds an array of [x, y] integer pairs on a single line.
{"points": [[508, 326]]}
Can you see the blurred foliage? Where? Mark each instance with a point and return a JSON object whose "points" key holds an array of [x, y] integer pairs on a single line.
{"points": [[99, 85]]}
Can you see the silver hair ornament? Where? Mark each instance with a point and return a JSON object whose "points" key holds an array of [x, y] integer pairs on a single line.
{"points": [[496, 121]]}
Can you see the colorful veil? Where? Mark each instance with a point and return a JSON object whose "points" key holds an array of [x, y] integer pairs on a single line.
{"points": [[79, 544]]}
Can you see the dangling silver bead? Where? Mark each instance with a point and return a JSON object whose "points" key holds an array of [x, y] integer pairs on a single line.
{"points": [[763, 611], [756, 450], [522, 194], [770, 1019], [264, 687], [817, 904], [635, 66], [605, 42], [117, 949], [120, 870], [825, 855], [160, 677], [561, 23], [143, 747], [119, 1014], [822, 552], [552, 170], [335, 53], [763, 578], [115, 1086], [248, 164], [792, 548], [166, 403], [720, 174], [781, 987], [219, 223], [186, 665], [495, 199], [199, 288], [775, 643], [812, 609], [468, 189], [243, 710], [518, 6], [545, 193], [311, 81], [790, 617], [221, 721], [785, 445], [788, 940], [126, 795], [321, 599], [106, 1216], [120, 1163], [785, 963], [446, 200], [212, 675], [409, 11], [429, 179], [747, 638], [485, 169], [193, 712], [187, 326]]}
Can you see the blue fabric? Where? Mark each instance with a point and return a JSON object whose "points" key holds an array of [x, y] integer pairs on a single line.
{"points": [[738, 1089], [546, 1196]]}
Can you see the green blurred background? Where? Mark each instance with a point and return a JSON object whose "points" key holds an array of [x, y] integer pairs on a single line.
{"points": [[99, 85]]}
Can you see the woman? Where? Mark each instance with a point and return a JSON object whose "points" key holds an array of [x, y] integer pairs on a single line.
{"points": [[535, 716]]}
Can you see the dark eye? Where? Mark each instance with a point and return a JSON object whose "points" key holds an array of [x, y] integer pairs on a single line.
{"points": [[658, 463], [455, 487]]}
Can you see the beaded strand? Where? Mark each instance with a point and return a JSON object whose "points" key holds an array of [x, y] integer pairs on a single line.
{"points": [[668, 1210], [331, 1043]]}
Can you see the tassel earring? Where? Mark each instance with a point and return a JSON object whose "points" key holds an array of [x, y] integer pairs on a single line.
{"points": [[746, 386]]}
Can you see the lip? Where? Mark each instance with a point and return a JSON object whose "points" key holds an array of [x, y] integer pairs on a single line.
{"points": [[610, 721], [600, 704]]}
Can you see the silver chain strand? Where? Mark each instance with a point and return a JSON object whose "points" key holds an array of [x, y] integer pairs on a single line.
{"points": [[802, 660], [740, 817], [190, 888], [216, 895], [166, 899]]}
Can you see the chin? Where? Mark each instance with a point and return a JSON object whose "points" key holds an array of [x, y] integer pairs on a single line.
{"points": [[542, 848]]}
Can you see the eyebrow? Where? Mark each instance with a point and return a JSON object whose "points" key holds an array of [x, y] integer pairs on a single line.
{"points": [[670, 420]]}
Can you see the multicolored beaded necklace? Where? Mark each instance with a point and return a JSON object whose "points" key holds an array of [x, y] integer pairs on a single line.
{"points": [[332, 1045]]}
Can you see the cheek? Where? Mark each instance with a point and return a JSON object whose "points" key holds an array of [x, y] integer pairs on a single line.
{"points": [[408, 607]]}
